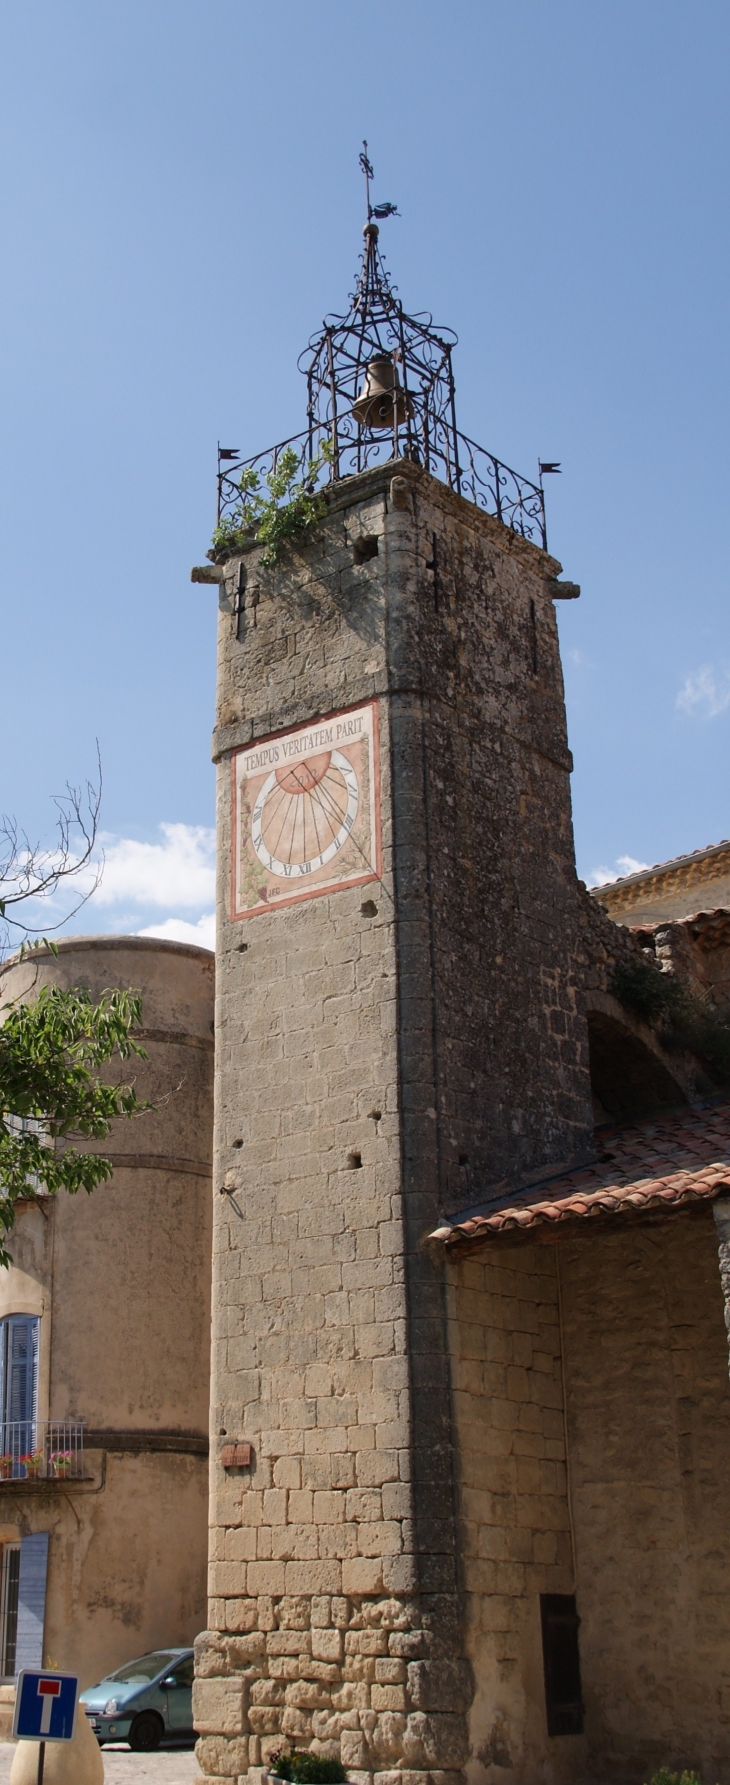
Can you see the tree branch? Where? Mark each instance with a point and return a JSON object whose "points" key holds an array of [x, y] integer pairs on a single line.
{"points": [[28, 871]]}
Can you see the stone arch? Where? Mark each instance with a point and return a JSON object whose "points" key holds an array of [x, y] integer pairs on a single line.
{"points": [[629, 1078]]}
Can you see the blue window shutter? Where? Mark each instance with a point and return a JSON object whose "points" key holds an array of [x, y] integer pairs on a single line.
{"points": [[31, 1600], [19, 1352], [21, 1367], [34, 1370]]}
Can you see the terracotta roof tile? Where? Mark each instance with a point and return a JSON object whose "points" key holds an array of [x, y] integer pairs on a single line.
{"points": [[710, 928], [675, 1159]]}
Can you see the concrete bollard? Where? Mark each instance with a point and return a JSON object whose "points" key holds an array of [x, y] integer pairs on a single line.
{"points": [[66, 1763]]}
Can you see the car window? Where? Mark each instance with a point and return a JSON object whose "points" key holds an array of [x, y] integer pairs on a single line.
{"points": [[144, 1669], [184, 1672]]}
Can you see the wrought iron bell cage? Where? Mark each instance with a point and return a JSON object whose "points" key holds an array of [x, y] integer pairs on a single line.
{"points": [[380, 387], [418, 421]]}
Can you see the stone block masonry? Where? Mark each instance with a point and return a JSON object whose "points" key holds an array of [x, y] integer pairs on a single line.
{"points": [[516, 1541], [649, 1429], [382, 1052]]}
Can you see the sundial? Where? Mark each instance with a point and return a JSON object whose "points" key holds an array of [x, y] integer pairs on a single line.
{"points": [[304, 815], [307, 817]]}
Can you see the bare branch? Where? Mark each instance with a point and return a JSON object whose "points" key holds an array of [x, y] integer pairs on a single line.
{"points": [[28, 871]]}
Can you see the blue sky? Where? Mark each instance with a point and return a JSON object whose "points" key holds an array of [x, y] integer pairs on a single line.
{"points": [[180, 202]]}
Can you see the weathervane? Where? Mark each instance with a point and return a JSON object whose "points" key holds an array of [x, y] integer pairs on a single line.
{"points": [[379, 211]]}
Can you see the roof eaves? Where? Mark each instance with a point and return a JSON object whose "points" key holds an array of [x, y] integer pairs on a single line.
{"points": [[660, 870], [640, 1196]]}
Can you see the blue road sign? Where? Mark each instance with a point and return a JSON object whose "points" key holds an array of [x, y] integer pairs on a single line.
{"points": [[45, 1706]]}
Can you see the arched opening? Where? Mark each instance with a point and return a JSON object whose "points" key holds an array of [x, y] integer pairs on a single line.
{"points": [[628, 1081]]}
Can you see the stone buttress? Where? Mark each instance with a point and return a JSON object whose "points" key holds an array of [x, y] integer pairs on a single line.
{"points": [[397, 1025]]}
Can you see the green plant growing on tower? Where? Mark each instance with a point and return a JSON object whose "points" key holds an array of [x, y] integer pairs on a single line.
{"points": [[682, 1020], [665, 1776], [284, 509], [652, 995]]}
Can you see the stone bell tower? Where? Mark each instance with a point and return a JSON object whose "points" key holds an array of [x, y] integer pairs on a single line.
{"points": [[397, 1029]]}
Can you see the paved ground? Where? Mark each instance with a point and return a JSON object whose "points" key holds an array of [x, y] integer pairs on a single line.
{"points": [[169, 1766]]}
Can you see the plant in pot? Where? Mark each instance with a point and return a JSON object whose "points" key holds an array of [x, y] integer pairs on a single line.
{"points": [[60, 1461], [6, 1466], [33, 1464], [302, 1768]]}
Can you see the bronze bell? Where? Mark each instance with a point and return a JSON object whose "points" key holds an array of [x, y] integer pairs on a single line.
{"points": [[377, 401]]}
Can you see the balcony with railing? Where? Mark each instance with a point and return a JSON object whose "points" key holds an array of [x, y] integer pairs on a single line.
{"points": [[41, 1450]]}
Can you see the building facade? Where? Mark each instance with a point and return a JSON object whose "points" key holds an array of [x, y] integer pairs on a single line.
{"points": [[104, 1330]]}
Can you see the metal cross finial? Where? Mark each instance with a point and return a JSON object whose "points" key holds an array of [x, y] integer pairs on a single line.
{"points": [[369, 175]]}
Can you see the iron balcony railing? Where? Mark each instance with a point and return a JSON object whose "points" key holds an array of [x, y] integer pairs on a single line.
{"points": [[452, 457], [41, 1450]]}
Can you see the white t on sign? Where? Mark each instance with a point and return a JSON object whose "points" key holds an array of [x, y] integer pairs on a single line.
{"points": [[47, 1691]]}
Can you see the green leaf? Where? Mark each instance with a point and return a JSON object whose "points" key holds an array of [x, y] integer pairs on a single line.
{"points": [[54, 1092], [292, 509]]}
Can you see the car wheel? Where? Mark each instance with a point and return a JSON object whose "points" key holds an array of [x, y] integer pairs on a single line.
{"points": [[146, 1732]]}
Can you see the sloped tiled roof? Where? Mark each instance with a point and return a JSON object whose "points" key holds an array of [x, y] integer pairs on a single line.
{"points": [[679, 1158], [684, 876]]}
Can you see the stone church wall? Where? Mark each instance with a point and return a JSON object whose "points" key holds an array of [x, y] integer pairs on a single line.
{"points": [[515, 1538], [649, 1431], [643, 1390]]}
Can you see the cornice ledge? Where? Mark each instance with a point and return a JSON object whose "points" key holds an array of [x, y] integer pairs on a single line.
{"points": [[227, 738]]}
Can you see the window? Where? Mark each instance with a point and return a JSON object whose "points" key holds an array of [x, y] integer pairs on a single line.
{"points": [[561, 1661], [141, 1672], [23, 1571], [31, 1600], [185, 1673], [9, 1584], [18, 1384]]}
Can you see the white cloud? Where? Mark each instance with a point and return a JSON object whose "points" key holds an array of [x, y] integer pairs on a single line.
{"points": [[175, 929], [165, 888], [706, 692], [625, 864], [178, 872]]}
